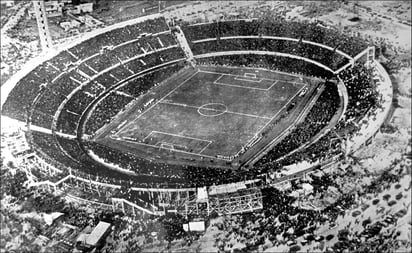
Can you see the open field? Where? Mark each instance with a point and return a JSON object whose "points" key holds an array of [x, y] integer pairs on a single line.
{"points": [[212, 114]]}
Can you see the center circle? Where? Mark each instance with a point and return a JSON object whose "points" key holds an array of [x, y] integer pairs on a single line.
{"points": [[212, 109]]}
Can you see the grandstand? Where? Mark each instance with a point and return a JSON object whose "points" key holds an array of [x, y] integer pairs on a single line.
{"points": [[133, 108]]}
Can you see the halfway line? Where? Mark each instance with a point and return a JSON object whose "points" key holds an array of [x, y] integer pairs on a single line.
{"points": [[211, 109]]}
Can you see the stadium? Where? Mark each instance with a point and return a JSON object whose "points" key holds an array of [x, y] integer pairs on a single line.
{"points": [[166, 114]]}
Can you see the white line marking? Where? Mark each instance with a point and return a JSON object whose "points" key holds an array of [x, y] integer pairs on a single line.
{"points": [[271, 119], [160, 145], [274, 82], [148, 109], [219, 73], [203, 149], [160, 100], [211, 109], [177, 135], [183, 105], [240, 86], [248, 80], [175, 150], [277, 72]]}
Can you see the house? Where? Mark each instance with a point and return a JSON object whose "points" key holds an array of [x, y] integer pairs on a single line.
{"points": [[52, 8], [98, 234]]}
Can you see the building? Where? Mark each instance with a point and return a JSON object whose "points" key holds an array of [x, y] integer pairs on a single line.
{"points": [[53, 9], [79, 9], [197, 225], [98, 234], [8, 3], [68, 25], [90, 21], [84, 8]]}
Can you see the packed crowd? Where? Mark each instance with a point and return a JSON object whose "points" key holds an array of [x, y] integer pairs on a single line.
{"points": [[141, 84], [154, 173], [118, 99], [361, 89], [74, 155], [183, 176], [39, 93], [26, 90], [328, 146], [19, 101], [46, 146], [316, 53], [310, 31], [158, 174], [142, 45], [289, 65], [363, 99], [77, 104], [118, 36], [39, 118], [106, 110], [317, 118]]}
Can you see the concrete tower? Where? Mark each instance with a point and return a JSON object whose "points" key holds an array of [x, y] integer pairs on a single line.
{"points": [[45, 38]]}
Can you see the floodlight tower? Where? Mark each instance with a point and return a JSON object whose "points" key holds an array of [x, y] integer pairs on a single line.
{"points": [[44, 33]]}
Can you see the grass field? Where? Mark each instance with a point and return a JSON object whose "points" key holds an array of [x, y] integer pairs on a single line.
{"points": [[210, 114]]}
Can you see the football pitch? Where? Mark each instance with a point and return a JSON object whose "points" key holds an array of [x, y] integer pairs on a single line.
{"points": [[210, 114]]}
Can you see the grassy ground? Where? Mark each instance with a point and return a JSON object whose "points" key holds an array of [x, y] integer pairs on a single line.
{"points": [[202, 116], [227, 132]]}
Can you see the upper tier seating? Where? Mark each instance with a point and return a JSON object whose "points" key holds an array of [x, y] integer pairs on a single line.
{"points": [[316, 53], [100, 66], [37, 96], [118, 36], [318, 117], [278, 63], [309, 31]]}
